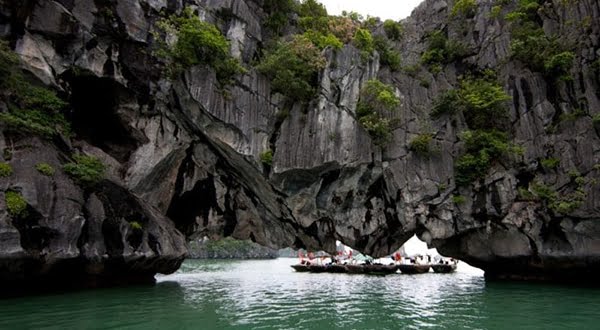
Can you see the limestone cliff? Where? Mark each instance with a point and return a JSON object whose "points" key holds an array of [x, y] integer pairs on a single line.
{"points": [[184, 154]]}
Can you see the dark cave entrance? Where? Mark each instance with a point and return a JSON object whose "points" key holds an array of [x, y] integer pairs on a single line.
{"points": [[191, 209], [97, 117]]}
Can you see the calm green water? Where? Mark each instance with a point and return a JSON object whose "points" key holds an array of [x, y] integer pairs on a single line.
{"points": [[269, 295]]}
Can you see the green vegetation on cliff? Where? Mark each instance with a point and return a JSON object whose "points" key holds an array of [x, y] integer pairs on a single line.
{"points": [[421, 144], [279, 12], [16, 205], [481, 100], [377, 101], [31, 109], [198, 42], [315, 22], [483, 103], [267, 158], [532, 46], [86, 170], [45, 168], [388, 55], [561, 203], [441, 51], [293, 63], [5, 170], [363, 40], [135, 225], [482, 149], [465, 8], [393, 30], [293, 68]]}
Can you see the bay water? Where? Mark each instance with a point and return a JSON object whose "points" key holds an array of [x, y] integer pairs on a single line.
{"points": [[268, 294]]}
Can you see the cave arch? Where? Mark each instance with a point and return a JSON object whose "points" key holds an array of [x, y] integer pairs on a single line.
{"points": [[101, 114]]}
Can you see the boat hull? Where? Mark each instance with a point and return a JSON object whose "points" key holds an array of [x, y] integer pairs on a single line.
{"points": [[380, 269], [355, 269], [300, 268], [317, 269], [336, 269], [413, 269], [444, 268]]}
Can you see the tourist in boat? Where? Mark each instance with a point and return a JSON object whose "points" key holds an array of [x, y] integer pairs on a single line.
{"points": [[397, 257]]}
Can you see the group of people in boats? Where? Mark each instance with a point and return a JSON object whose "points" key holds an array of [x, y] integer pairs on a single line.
{"points": [[346, 262]]}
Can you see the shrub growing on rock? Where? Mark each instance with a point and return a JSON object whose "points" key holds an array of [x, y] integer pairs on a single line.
{"points": [[16, 205], [559, 65], [458, 199], [388, 56], [344, 28], [5, 170], [481, 100], [313, 16], [45, 168], [376, 100], [421, 144], [135, 225], [465, 8], [482, 149], [9, 62], [198, 43], [293, 68], [441, 51], [363, 40], [448, 103], [532, 46], [267, 157], [323, 40], [483, 103], [393, 30], [85, 170], [278, 14], [596, 121], [31, 109], [561, 204], [550, 163]]}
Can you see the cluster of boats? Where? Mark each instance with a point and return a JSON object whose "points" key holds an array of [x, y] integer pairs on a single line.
{"points": [[443, 266]]}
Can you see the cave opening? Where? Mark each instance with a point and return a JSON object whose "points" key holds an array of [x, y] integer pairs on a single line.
{"points": [[96, 116], [192, 209]]}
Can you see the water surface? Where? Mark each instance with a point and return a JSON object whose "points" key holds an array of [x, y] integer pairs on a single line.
{"points": [[270, 295]]}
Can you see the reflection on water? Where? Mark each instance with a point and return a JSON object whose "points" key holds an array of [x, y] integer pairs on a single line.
{"points": [[267, 292], [269, 295]]}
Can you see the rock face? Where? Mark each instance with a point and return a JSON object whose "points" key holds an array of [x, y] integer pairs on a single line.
{"points": [[185, 156], [74, 238]]}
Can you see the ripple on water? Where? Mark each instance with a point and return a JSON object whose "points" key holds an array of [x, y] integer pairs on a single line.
{"points": [[269, 295]]}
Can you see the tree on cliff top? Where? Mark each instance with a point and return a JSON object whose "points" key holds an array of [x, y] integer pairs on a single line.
{"points": [[197, 42]]}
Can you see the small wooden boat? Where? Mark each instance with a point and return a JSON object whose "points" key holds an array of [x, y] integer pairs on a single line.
{"points": [[317, 268], [355, 269], [301, 268], [413, 268], [380, 269], [335, 268], [444, 268]]}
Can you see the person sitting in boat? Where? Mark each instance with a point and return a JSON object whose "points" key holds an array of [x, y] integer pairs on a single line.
{"points": [[397, 257], [334, 260]]}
